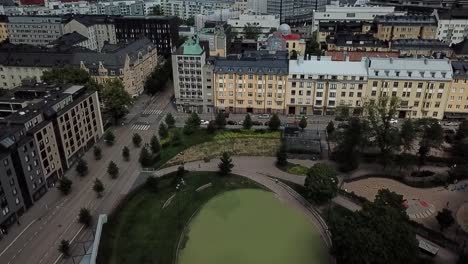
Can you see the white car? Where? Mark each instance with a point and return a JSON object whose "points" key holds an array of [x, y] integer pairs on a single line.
{"points": [[393, 121], [204, 122], [451, 123], [264, 116]]}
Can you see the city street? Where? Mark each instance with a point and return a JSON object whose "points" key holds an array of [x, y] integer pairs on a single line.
{"points": [[54, 217]]}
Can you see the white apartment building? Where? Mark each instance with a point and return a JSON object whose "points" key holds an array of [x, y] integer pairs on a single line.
{"points": [[352, 13], [452, 25], [264, 22], [35, 30], [318, 86], [98, 30], [186, 9], [215, 15], [124, 7], [258, 6]]}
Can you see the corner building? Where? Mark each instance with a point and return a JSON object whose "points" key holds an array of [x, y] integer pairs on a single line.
{"points": [[252, 83]]}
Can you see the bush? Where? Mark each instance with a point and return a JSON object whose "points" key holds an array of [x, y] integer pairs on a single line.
{"points": [[423, 173]]}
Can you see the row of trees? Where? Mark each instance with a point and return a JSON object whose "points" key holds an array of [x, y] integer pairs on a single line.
{"points": [[156, 81], [377, 130]]}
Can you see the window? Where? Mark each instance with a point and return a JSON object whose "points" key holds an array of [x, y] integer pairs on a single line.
{"points": [[374, 83], [373, 93], [395, 84], [416, 103]]}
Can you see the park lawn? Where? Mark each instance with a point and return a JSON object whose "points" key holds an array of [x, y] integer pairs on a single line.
{"points": [[140, 231], [296, 169], [251, 227], [201, 145]]}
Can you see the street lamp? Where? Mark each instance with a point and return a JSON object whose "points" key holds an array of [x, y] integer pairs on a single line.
{"points": [[178, 191]]}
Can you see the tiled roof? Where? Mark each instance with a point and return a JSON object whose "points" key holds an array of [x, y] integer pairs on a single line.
{"points": [[292, 36]]}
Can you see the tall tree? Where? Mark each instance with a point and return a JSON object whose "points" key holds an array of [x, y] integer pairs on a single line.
{"points": [[303, 123], [116, 100], [136, 139], [109, 138], [112, 169], [220, 120], [379, 114], [66, 75], [126, 153], [82, 167], [97, 153], [225, 166], [247, 124], [169, 120], [85, 217], [65, 185], [423, 151], [321, 183], [445, 219], [434, 135], [274, 123], [330, 129], [282, 156], [407, 135], [462, 131], [98, 187], [145, 157], [192, 123], [163, 130], [64, 248], [251, 31], [155, 145], [350, 143]]}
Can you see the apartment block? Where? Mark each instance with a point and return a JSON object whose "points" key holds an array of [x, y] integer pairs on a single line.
{"points": [[97, 29], [326, 29], [457, 103], [186, 9], [392, 27], [41, 137], [35, 30], [422, 47], [161, 30], [265, 23], [3, 28], [453, 25], [319, 85], [252, 83], [422, 84], [192, 78]]}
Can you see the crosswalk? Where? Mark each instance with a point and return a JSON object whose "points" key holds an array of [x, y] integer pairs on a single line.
{"points": [[141, 126], [152, 112]]}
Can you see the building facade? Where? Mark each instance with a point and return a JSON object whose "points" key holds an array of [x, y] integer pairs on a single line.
{"points": [[186, 9], [162, 31], [97, 29], [422, 84], [192, 78], [252, 83], [3, 28], [265, 23], [457, 103], [35, 30], [452, 25], [319, 86], [392, 27]]}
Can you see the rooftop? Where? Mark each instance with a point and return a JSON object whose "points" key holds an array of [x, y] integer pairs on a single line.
{"points": [[410, 68], [461, 48], [455, 13], [190, 47], [253, 62], [420, 43], [325, 66], [406, 20], [354, 40], [69, 39], [359, 55]]}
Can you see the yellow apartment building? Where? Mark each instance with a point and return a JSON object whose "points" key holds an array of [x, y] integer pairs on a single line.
{"points": [[405, 27], [457, 99]]}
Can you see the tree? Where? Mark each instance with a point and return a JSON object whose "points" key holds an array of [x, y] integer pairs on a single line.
{"points": [[247, 122], [155, 145], [145, 158], [84, 217], [293, 55], [153, 183], [251, 31], [282, 156], [274, 123], [157, 80], [82, 167], [445, 219], [211, 128], [169, 120], [66, 75], [98, 187], [321, 183], [386, 136], [312, 46], [350, 142], [433, 135], [109, 138], [220, 120], [190, 21], [192, 123], [113, 170], [423, 152], [126, 153], [379, 233], [462, 131], [97, 153], [116, 100], [136, 139], [330, 129], [157, 11], [176, 138], [64, 248], [407, 135], [225, 166], [163, 130], [303, 123], [65, 185]]}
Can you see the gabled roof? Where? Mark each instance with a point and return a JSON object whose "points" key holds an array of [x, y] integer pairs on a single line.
{"points": [[461, 48]]}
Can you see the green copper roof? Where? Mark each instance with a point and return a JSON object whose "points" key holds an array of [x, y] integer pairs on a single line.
{"points": [[192, 47]]}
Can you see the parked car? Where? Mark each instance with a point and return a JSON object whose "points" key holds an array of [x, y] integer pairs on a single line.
{"points": [[264, 116], [204, 122], [256, 123], [230, 122], [393, 121], [452, 123]]}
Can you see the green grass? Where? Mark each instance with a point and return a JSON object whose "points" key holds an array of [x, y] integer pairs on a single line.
{"points": [[249, 141], [251, 227], [295, 169], [142, 232]]}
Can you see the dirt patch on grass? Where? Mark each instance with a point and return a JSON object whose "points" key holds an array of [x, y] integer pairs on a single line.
{"points": [[235, 146]]}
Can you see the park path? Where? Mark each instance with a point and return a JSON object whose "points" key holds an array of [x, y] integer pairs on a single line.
{"points": [[262, 169]]}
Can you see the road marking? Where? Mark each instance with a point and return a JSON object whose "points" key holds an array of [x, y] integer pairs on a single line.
{"points": [[71, 241], [18, 236]]}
